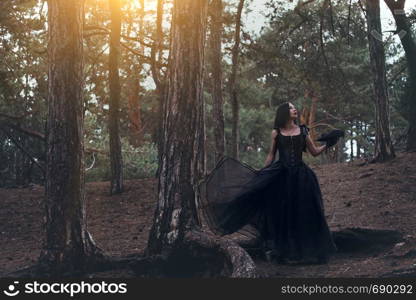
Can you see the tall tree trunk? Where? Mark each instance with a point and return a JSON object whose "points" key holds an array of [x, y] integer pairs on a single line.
{"points": [[114, 113], [358, 140], [312, 115], [156, 54], [176, 231], [365, 140], [409, 45], [68, 245], [156, 50], [136, 126], [235, 138], [216, 59], [182, 129], [383, 150], [339, 151], [352, 145]]}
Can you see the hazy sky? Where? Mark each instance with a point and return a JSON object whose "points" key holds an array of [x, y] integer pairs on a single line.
{"points": [[255, 20]]}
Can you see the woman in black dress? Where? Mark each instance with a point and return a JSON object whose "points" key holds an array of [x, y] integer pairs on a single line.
{"points": [[282, 201]]}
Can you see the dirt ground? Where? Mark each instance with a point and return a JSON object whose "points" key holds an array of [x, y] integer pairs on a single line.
{"points": [[371, 196]]}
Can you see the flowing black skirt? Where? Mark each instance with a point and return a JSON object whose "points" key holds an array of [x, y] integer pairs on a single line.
{"points": [[282, 203]]}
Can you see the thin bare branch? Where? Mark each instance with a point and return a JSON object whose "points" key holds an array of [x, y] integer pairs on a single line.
{"points": [[24, 151]]}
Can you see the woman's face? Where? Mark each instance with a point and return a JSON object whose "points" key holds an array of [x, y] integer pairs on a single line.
{"points": [[293, 113]]}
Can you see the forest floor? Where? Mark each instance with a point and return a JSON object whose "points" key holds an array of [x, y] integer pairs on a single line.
{"points": [[356, 195]]}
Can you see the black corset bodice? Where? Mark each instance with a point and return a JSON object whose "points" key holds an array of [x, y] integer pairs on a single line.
{"points": [[290, 148]]}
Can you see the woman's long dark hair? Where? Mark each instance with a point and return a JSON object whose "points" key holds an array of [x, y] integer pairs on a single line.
{"points": [[282, 116]]}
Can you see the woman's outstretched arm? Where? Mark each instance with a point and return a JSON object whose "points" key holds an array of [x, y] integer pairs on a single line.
{"points": [[272, 152], [314, 150]]}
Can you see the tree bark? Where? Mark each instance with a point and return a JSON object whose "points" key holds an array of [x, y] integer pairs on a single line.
{"points": [[235, 137], [383, 150], [176, 210], [351, 143], [68, 245], [157, 45], [156, 53], [136, 125], [409, 45], [312, 115], [359, 133], [217, 96], [116, 158], [176, 232], [201, 255]]}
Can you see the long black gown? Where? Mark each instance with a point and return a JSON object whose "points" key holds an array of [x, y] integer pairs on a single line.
{"points": [[282, 201]]}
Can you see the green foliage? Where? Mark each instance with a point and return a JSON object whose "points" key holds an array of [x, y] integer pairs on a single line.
{"points": [[139, 162]]}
